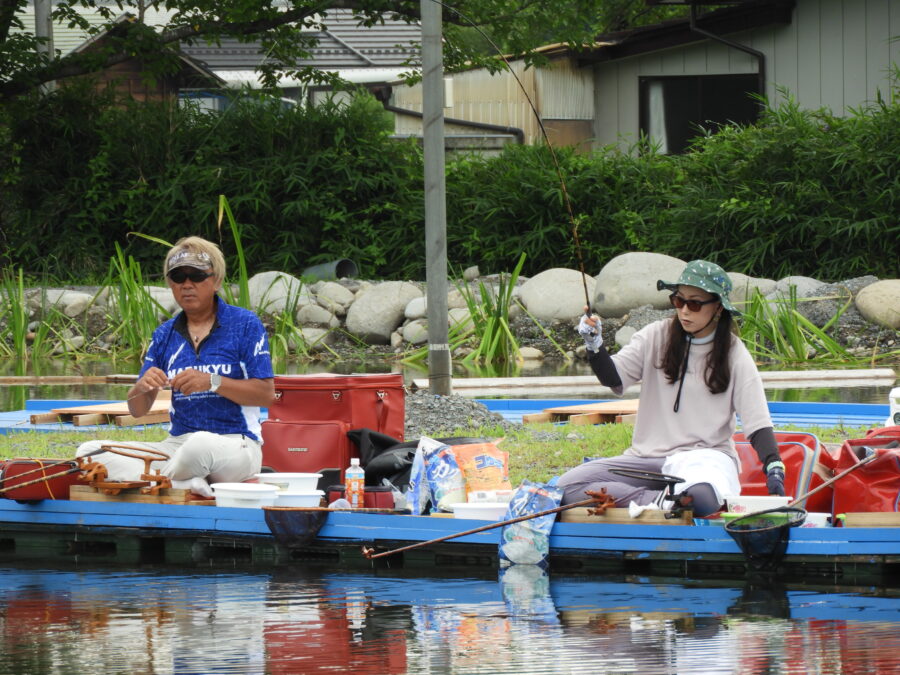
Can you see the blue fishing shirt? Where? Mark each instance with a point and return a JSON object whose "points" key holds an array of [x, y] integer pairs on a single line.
{"points": [[237, 347]]}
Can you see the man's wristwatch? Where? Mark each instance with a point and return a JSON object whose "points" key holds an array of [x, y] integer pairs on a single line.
{"points": [[214, 381]]}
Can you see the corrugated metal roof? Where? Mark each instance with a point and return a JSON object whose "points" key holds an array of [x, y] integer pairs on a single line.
{"points": [[342, 44]]}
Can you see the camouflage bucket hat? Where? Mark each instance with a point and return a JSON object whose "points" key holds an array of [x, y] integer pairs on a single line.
{"points": [[706, 275]]}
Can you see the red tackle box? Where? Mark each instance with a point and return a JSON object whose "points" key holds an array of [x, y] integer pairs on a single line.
{"points": [[371, 401], [308, 447], [56, 487]]}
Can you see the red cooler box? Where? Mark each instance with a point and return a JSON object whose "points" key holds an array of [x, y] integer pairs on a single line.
{"points": [[308, 447], [372, 401], [55, 487]]}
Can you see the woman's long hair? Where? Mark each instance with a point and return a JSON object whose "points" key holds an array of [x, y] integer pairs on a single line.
{"points": [[718, 371]]}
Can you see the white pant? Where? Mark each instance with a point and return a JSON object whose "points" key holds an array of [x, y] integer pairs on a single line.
{"points": [[228, 458]]}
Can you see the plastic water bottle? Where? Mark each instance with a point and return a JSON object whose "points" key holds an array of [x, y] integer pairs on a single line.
{"points": [[354, 484]]}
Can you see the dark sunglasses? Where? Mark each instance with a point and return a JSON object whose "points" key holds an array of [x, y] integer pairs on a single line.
{"points": [[180, 275], [694, 305]]}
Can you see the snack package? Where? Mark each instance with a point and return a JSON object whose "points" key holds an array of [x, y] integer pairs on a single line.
{"points": [[445, 478], [528, 541], [485, 467]]}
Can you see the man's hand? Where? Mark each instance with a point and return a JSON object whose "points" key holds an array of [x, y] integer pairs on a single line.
{"points": [[153, 380], [190, 381]]}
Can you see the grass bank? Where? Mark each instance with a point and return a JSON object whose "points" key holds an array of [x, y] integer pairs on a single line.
{"points": [[536, 452]]}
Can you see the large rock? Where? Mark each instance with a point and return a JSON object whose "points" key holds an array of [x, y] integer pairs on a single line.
{"points": [[743, 287], [880, 303], [806, 286], [629, 280], [557, 294], [378, 311], [314, 315], [273, 292], [333, 297]]}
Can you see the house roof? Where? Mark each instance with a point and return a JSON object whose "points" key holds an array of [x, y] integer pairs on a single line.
{"points": [[676, 32], [344, 46]]}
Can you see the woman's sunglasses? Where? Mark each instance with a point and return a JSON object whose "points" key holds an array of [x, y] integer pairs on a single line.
{"points": [[694, 305], [180, 275]]}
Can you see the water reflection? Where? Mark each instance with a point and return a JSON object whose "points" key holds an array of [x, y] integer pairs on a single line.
{"points": [[297, 620]]}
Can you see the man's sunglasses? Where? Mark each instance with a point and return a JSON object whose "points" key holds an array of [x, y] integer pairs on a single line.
{"points": [[694, 305], [180, 275]]}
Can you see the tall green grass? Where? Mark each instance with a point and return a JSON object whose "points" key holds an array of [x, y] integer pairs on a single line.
{"points": [[489, 312], [775, 330]]}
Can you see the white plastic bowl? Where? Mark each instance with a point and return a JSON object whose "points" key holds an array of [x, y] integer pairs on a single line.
{"points": [[244, 495], [308, 498], [480, 510], [291, 482], [753, 503]]}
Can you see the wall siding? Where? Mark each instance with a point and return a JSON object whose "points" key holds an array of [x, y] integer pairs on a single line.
{"points": [[836, 54]]}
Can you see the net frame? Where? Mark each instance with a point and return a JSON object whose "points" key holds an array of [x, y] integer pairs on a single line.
{"points": [[764, 545]]}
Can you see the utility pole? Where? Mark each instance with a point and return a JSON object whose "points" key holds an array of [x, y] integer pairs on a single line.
{"points": [[439, 369], [43, 28]]}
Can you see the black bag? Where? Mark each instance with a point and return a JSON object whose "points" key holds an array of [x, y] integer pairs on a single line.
{"points": [[385, 457]]}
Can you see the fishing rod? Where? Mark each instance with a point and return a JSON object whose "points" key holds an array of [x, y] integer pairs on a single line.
{"points": [[540, 122], [599, 500]]}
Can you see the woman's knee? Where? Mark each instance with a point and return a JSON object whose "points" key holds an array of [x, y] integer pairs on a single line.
{"points": [[704, 500]]}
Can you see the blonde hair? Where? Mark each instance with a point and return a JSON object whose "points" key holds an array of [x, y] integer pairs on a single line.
{"points": [[199, 245]]}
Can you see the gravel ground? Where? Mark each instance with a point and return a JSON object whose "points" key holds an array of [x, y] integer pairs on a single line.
{"points": [[430, 415]]}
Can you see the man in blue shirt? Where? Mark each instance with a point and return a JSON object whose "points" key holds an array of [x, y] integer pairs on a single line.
{"points": [[215, 358]]}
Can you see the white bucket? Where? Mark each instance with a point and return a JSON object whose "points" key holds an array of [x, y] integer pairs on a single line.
{"points": [[894, 401], [244, 495]]}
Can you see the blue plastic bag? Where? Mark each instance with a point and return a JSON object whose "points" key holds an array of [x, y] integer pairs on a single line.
{"points": [[528, 542]]}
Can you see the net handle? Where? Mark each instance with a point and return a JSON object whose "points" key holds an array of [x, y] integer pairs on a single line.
{"points": [[864, 460]]}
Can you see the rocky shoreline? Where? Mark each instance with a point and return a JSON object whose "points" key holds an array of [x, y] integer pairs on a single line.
{"points": [[368, 319]]}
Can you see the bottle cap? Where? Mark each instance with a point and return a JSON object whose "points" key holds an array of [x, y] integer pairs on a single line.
{"points": [[354, 461]]}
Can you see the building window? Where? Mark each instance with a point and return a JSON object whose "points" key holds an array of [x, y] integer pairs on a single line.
{"points": [[673, 110]]}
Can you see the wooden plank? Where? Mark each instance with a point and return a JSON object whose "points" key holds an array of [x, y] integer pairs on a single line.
{"points": [[528, 418], [622, 517], [587, 418], [90, 419], [86, 493], [129, 421], [872, 519], [623, 407], [44, 418], [626, 419]]}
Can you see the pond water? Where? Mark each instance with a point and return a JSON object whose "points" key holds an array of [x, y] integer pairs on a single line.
{"points": [[302, 620]]}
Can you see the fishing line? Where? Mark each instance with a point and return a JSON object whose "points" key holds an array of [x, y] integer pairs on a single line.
{"points": [[559, 173]]}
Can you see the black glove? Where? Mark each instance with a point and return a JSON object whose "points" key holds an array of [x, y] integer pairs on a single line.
{"points": [[775, 477]]}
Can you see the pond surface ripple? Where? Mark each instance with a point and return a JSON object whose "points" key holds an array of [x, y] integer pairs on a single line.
{"points": [[314, 620]]}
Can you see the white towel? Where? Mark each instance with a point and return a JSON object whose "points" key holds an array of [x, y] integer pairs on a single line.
{"points": [[704, 466]]}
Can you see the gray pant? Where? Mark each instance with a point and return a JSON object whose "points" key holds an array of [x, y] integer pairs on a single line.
{"points": [[596, 474]]}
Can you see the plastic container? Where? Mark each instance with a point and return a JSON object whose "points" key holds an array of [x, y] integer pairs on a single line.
{"points": [[480, 510], [894, 401], [378, 497], [244, 495], [814, 519], [308, 498], [354, 484], [291, 482], [752, 503]]}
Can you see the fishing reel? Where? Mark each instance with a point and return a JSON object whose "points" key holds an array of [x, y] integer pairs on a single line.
{"points": [[680, 503], [150, 483]]}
